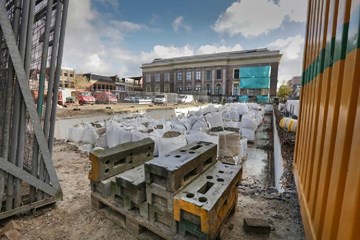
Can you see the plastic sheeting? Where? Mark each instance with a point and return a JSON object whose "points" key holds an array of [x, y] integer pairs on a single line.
{"points": [[262, 98], [255, 77]]}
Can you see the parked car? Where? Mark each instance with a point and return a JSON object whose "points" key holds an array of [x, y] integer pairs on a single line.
{"points": [[132, 99], [186, 99], [145, 100], [105, 97], [160, 99], [83, 97]]}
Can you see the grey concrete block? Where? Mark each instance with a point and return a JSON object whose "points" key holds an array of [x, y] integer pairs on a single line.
{"points": [[256, 225], [180, 166], [110, 162], [132, 184], [162, 217], [159, 195]]}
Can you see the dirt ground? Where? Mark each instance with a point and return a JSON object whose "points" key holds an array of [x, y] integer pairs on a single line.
{"points": [[73, 217]]}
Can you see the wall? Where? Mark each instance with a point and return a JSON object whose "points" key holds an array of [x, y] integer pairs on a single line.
{"points": [[327, 154]]}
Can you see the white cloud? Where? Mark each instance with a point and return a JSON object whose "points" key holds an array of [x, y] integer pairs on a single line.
{"points": [[94, 44], [292, 50], [294, 9], [252, 18], [178, 23]]}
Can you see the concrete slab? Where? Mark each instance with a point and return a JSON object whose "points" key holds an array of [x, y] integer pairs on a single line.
{"points": [[110, 162], [180, 166]]}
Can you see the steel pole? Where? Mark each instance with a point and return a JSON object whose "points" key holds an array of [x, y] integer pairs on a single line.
{"points": [[57, 75]]}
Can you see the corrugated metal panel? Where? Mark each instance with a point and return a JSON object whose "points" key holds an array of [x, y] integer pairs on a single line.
{"points": [[327, 166]]}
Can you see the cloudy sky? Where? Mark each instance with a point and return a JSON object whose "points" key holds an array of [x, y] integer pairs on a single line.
{"points": [[114, 37]]}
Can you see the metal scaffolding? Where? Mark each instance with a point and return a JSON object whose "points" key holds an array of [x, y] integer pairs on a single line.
{"points": [[32, 36]]}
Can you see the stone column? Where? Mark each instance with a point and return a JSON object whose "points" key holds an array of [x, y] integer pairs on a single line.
{"points": [[224, 81], [213, 72]]}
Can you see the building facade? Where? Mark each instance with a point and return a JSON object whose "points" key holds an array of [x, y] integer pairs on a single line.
{"points": [[127, 86], [67, 77], [209, 74], [100, 82]]}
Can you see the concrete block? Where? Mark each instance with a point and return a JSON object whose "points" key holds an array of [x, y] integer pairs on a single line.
{"points": [[107, 188], [132, 184], [159, 195], [110, 162], [209, 199], [180, 166], [256, 225], [162, 217]]}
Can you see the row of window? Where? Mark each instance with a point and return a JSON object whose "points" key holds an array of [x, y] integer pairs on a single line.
{"points": [[179, 75], [218, 88], [101, 87]]}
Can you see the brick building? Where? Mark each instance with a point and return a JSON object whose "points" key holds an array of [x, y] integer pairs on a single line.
{"points": [[211, 74]]}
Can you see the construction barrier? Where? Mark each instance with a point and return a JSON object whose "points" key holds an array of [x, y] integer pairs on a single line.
{"points": [[327, 166]]}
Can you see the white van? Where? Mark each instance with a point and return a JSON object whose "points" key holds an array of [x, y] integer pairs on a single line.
{"points": [[160, 99], [186, 99]]}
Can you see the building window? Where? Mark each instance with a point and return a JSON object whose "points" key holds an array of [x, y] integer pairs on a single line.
{"points": [[218, 89], [179, 76], [166, 88], [208, 75], [236, 73], [198, 88], [218, 74], [148, 77], [208, 89], [157, 77], [198, 75], [236, 89], [71, 75], [157, 88], [167, 77], [188, 88], [65, 74], [148, 88], [188, 76], [180, 89]]}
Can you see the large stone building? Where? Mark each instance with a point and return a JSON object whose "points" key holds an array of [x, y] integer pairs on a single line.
{"points": [[211, 74]]}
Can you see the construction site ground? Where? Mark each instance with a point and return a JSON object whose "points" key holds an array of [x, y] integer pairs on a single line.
{"points": [[73, 217]]}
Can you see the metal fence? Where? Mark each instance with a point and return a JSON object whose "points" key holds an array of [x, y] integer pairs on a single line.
{"points": [[31, 47]]}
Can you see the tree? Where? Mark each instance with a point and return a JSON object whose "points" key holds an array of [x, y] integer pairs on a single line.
{"points": [[284, 91]]}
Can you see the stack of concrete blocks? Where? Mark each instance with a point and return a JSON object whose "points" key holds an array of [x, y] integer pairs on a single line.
{"points": [[118, 173], [201, 207], [166, 176]]}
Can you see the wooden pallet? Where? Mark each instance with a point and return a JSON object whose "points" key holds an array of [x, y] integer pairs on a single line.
{"points": [[137, 225], [129, 220]]}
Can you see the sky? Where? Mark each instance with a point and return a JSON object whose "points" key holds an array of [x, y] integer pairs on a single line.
{"points": [[115, 37]]}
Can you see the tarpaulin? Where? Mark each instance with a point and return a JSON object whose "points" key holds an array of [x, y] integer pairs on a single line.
{"points": [[255, 77], [262, 98], [243, 98]]}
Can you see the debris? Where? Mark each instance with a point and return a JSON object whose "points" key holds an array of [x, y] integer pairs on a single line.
{"points": [[11, 225], [13, 235]]}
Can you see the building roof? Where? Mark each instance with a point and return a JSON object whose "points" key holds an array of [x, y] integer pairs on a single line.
{"points": [[253, 53], [98, 77]]}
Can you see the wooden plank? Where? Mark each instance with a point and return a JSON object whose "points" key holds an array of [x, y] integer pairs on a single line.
{"points": [[23, 175]]}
